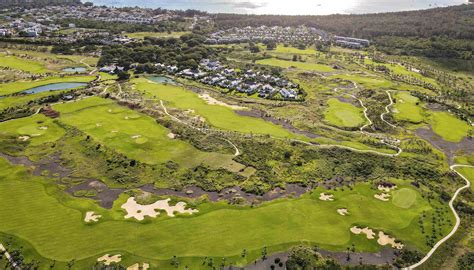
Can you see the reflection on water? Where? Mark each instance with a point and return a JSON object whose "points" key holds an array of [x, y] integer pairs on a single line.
{"points": [[289, 7], [54, 87]]}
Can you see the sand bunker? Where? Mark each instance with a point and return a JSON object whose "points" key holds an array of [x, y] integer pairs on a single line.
{"points": [[114, 131], [171, 135], [136, 136], [383, 197], [24, 138], [386, 189], [43, 128], [369, 232], [212, 101], [385, 239], [91, 217], [326, 197], [138, 211], [107, 259], [136, 266], [98, 124], [342, 211]]}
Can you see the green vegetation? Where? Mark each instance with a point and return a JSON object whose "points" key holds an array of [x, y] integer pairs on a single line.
{"points": [[343, 114], [218, 116], [404, 197], [293, 64], [22, 64], [408, 108], [49, 225], [448, 126], [14, 87], [133, 134], [143, 35]]}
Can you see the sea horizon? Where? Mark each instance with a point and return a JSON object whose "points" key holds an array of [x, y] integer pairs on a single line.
{"points": [[280, 7]]}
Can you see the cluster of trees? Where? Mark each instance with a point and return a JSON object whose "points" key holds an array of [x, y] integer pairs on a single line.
{"points": [[36, 3], [185, 52]]}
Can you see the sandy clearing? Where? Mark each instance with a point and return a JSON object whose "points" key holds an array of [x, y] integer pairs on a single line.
{"points": [[138, 211], [342, 211], [385, 239], [212, 101], [386, 189], [91, 217], [368, 232], [171, 135], [383, 197], [136, 266], [326, 197], [107, 259], [24, 138]]}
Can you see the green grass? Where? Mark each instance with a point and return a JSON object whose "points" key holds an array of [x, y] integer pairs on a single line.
{"points": [[406, 108], [343, 114], [468, 173], [298, 65], [142, 35], [292, 50], [33, 127], [52, 222], [14, 87], [370, 82], [133, 134], [448, 126], [30, 66], [218, 116], [404, 198]]}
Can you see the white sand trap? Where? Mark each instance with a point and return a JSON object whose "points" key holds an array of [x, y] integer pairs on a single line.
{"points": [[342, 211], [98, 124], [136, 136], [171, 135], [114, 131], [212, 101], [368, 232], [386, 189], [136, 266], [91, 217], [107, 259], [35, 135], [138, 211], [24, 138], [326, 197], [383, 197], [385, 239], [43, 128]]}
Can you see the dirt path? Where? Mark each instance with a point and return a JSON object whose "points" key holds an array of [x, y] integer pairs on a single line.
{"points": [[237, 151], [9, 258], [387, 110], [458, 220]]}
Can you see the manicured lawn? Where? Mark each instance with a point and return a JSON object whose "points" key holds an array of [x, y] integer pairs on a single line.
{"points": [[406, 108], [404, 198], [52, 222], [344, 114], [291, 50], [14, 87], [39, 128], [142, 35], [218, 116], [298, 65], [133, 134], [30, 66], [448, 126], [370, 82]]}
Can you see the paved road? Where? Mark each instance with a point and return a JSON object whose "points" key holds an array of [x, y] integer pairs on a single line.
{"points": [[458, 220]]}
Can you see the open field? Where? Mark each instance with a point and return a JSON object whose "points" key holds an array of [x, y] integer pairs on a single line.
{"points": [[219, 116], [16, 63], [343, 114], [133, 134], [448, 126], [50, 226], [407, 108], [14, 87], [298, 65]]}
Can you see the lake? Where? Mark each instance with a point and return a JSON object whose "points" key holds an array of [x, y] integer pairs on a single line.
{"points": [[74, 69], [293, 7], [54, 87], [162, 80]]}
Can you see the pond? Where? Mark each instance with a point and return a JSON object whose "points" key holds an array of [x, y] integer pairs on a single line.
{"points": [[162, 80], [75, 69], [54, 87]]}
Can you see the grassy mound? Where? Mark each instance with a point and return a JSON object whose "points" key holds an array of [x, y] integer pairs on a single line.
{"points": [[343, 114]]}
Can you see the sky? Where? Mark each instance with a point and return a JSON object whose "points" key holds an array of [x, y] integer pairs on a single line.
{"points": [[287, 7]]}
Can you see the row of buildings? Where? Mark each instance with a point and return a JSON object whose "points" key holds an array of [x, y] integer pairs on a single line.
{"points": [[302, 34], [350, 42]]}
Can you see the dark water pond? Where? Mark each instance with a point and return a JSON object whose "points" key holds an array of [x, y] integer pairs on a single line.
{"points": [[54, 87]]}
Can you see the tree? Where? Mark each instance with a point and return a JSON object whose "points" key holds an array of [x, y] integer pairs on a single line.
{"points": [[123, 75]]}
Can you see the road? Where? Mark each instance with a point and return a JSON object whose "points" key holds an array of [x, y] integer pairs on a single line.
{"points": [[458, 220]]}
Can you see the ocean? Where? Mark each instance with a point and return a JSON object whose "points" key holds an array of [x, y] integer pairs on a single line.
{"points": [[286, 7]]}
